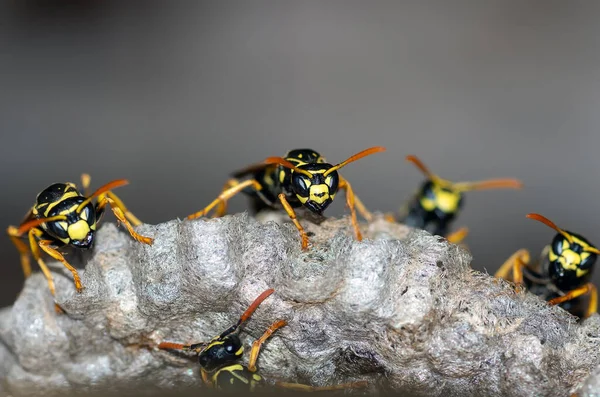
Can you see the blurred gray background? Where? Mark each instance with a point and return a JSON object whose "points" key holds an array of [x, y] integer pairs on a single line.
{"points": [[175, 95]]}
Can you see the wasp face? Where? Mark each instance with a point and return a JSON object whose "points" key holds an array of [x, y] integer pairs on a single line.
{"points": [[443, 201], [315, 192], [570, 264], [78, 228], [221, 351]]}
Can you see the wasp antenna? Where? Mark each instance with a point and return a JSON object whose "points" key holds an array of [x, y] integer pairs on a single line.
{"points": [[287, 164], [25, 227], [252, 308], [423, 168], [364, 153], [593, 250], [102, 189], [504, 183], [172, 346], [551, 224], [249, 311]]}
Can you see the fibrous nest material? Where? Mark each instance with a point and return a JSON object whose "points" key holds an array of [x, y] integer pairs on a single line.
{"points": [[401, 309]]}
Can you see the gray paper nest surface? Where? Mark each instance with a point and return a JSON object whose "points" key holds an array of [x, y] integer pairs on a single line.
{"points": [[402, 309]]}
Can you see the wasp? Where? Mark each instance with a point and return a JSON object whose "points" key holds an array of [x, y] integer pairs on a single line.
{"points": [[62, 216], [438, 201], [219, 358], [563, 273], [302, 178]]}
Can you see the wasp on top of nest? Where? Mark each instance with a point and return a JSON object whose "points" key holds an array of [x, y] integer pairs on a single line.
{"points": [[63, 216], [437, 203], [303, 178], [563, 273]]}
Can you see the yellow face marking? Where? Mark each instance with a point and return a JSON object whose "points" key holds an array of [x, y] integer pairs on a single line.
{"points": [[281, 176], [64, 225], [427, 204], [240, 351], [300, 156], [78, 230], [569, 259], [446, 201], [584, 255], [328, 180], [84, 215], [302, 199], [319, 190]]}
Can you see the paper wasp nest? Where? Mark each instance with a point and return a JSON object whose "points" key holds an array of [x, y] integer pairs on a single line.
{"points": [[401, 309]]}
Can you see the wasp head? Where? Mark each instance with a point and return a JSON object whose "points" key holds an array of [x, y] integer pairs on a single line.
{"points": [[221, 351], [315, 188]]}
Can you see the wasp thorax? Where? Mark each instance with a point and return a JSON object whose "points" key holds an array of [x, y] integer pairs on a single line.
{"points": [[317, 191], [570, 263], [220, 352]]}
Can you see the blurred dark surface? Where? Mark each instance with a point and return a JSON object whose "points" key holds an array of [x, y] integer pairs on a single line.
{"points": [[175, 95]]}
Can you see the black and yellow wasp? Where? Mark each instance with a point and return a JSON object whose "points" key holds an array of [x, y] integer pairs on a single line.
{"points": [[63, 216], [302, 178], [438, 201], [563, 273], [219, 358]]}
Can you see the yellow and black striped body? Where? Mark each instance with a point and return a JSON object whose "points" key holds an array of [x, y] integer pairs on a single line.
{"points": [[314, 193], [236, 377], [564, 266], [77, 229], [433, 208]]}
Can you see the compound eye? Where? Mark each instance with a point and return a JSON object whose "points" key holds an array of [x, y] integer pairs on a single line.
{"points": [[231, 346], [301, 184], [559, 244], [59, 228], [86, 214], [332, 181]]}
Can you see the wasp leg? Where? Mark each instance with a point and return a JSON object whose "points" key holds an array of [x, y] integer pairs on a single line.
{"points": [[38, 257], [86, 179], [258, 343], [292, 214], [584, 289], [458, 236], [222, 208], [351, 201], [307, 388], [117, 202], [226, 195], [364, 212], [23, 250], [45, 246], [516, 262], [119, 213]]}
